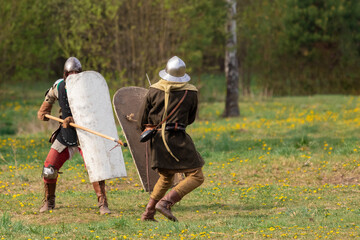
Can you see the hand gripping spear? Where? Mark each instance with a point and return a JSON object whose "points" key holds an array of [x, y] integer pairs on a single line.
{"points": [[87, 130]]}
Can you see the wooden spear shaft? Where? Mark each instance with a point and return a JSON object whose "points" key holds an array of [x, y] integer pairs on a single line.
{"points": [[87, 130]]}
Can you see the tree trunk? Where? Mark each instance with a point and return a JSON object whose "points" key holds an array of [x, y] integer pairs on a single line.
{"points": [[231, 64]]}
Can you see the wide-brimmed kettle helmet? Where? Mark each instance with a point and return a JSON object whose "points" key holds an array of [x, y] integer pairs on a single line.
{"points": [[175, 71]]}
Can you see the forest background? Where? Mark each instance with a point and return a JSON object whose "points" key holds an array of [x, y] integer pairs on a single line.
{"points": [[287, 168], [285, 47]]}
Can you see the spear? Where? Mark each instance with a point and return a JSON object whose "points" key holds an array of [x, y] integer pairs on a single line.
{"points": [[148, 79], [87, 130]]}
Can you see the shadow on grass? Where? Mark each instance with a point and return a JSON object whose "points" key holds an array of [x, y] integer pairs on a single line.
{"points": [[216, 207]]}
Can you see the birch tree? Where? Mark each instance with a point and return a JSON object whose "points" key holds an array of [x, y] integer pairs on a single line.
{"points": [[231, 64]]}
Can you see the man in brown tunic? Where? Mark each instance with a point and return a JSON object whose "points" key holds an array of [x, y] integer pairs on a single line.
{"points": [[172, 149]]}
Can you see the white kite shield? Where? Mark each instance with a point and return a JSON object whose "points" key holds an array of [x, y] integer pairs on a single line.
{"points": [[90, 104]]}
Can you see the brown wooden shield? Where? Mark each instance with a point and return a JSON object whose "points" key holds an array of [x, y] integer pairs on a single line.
{"points": [[127, 101]]}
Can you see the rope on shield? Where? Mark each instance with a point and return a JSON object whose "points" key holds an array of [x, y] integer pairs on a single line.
{"points": [[147, 166]]}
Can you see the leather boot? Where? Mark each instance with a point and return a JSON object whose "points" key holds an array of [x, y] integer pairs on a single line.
{"points": [[49, 198], [165, 204], [101, 195], [150, 211]]}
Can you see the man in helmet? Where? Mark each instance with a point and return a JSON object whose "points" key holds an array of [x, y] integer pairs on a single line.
{"points": [[170, 106], [64, 140]]}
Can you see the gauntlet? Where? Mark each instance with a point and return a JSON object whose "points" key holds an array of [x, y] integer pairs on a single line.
{"points": [[44, 109], [67, 122]]}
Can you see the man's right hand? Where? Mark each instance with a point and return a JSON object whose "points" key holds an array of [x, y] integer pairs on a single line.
{"points": [[44, 109]]}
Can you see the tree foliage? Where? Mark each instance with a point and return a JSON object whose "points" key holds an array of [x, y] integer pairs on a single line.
{"points": [[300, 46], [26, 40], [285, 47]]}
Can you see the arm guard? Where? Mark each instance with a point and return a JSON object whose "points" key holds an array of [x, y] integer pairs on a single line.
{"points": [[44, 109]]}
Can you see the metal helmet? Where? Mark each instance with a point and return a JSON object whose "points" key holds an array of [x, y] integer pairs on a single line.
{"points": [[175, 71], [72, 64]]}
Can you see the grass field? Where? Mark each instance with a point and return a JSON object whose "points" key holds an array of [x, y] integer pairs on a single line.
{"points": [[287, 168]]}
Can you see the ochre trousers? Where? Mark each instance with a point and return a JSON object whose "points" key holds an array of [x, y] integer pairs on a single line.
{"points": [[193, 179]]}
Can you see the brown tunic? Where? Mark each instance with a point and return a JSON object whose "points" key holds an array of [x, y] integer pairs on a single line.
{"points": [[179, 142]]}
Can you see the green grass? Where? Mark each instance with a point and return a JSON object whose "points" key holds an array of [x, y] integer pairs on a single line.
{"points": [[286, 168]]}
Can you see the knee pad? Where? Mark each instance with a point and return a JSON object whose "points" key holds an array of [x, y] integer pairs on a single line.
{"points": [[50, 172]]}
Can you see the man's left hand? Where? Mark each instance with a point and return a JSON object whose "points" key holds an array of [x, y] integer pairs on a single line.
{"points": [[67, 121]]}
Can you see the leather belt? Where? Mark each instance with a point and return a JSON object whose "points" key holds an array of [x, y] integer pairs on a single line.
{"points": [[175, 127], [169, 127]]}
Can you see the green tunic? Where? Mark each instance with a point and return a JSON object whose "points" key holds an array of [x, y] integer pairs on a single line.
{"points": [[179, 143]]}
